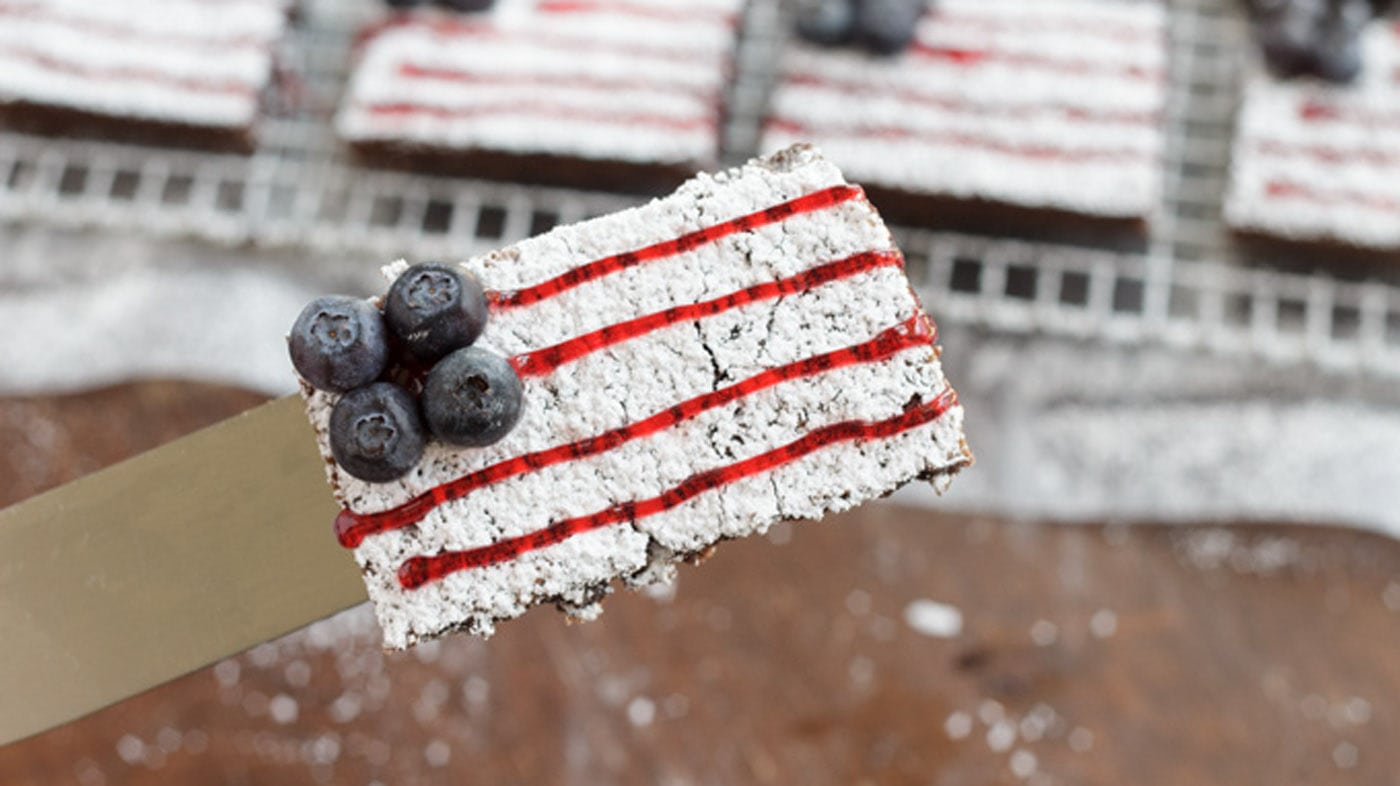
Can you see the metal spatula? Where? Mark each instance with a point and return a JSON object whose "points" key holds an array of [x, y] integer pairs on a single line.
{"points": [[162, 564]]}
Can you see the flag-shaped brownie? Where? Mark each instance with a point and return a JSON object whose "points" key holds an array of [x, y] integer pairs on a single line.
{"points": [[171, 71], [593, 93], [744, 351], [1051, 107], [1317, 161]]}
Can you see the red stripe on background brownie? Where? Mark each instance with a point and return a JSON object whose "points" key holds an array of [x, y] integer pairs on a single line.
{"points": [[543, 111], [460, 76], [1078, 25], [962, 106], [960, 140], [1333, 155], [351, 528], [418, 571], [129, 74], [544, 361], [686, 15], [976, 57], [126, 32], [553, 42], [1285, 189], [592, 271]]}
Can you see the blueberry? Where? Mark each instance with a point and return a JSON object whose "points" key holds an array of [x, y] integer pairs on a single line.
{"points": [[1286, 40], [472, 398], [376, 433], [1337, 45], [435, 309], [339, 343], [403, 3], [887, 27], [466, 5], [827, 22]]}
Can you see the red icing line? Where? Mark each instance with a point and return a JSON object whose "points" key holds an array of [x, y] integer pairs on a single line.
{"points": [[546, 360], [130, 74], [975, 57], [1284, 189], [635, 9], [415, 71], [127, 32], [818, 200], [957, 139], [553, 42], [1082, 25], [1315, 111], [549, 111], [975, 108], [418, 571], [1335, 155], [351, 528]]}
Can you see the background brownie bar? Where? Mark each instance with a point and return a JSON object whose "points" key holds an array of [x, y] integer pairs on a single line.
{"points": [[626, 96], [1316, 165], [1014, 116], [168, 72]]}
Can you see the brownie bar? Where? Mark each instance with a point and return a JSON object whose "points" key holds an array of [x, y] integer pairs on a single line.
{"points": [[744, 351], [1045, 117], [621, 96], [191, 75]]}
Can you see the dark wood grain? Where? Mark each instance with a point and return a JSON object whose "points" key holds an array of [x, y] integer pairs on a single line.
{"points": [[1250, 654]]}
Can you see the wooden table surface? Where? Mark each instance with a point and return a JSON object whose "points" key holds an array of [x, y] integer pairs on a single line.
{"points": [[1250, 654]]}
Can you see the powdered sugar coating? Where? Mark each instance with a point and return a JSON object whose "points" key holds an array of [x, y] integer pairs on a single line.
{"points": [[639, 82], [645, 375], [178, 61], [1047, 104], [1318, 161]]}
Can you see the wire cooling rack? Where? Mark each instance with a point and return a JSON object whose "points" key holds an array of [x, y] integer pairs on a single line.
{"points": [[1189, 288]]}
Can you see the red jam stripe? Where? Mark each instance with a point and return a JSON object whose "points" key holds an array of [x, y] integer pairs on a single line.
{"points": [[544, 111], [592, 271], [459, 76], [125, 32], [959, 140], [976, 57], [1334, 155], [132, 74], [351, 528], [961, 106], [418, 571], [546, 360], [551, 42], [687, 15], [1079, 25], [1284, 189]]}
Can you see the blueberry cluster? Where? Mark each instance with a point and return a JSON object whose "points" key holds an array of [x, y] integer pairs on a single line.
{"points": [[421, 342], [1319, 38], [451, 5], [885, 27]]}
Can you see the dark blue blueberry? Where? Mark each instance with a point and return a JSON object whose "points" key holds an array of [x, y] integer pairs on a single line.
{"points": [[1338, 43], [466, 5], [1286, 38], [376, 433], [403, 3], [827, 22], [339, 343], [435, 309], [472, 398], [887, 27]]}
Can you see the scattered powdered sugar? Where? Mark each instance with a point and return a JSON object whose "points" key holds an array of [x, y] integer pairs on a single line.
{"points": [[641, 711], [934, 619], [1104, 623], [958, 725]]}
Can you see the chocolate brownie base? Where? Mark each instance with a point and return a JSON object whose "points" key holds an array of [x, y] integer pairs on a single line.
{"points": [[999, 219], [1318, 255], [49, 120], [536, 169]]}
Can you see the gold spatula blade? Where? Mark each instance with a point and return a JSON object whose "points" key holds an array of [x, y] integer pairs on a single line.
{"points": [[165, 563]]}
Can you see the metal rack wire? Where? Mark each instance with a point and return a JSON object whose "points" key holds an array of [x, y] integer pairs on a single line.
{"points": [[1190, 288]]}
